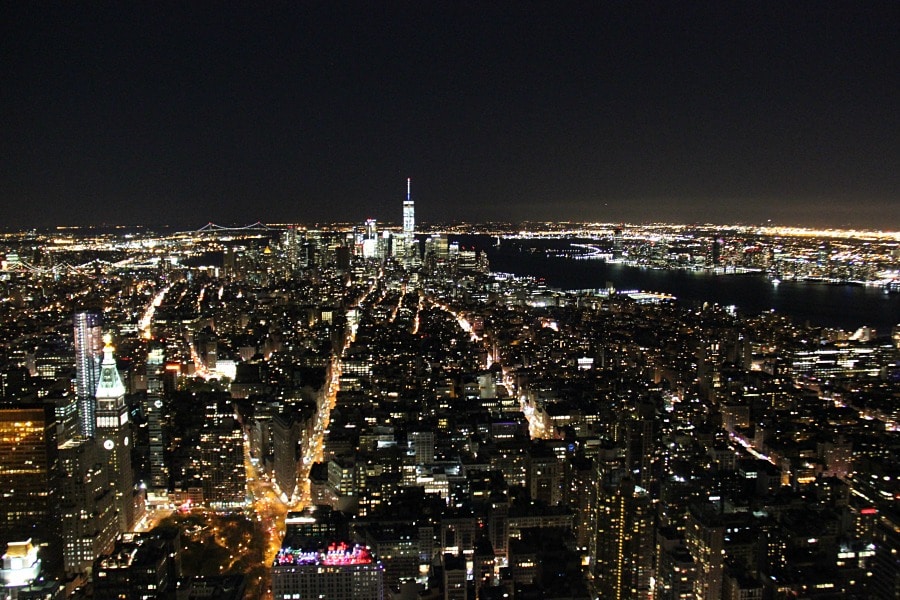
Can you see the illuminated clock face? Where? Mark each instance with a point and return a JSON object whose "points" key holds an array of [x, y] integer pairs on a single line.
{"points": [[126, 440], [109, 444], [158, 404]]}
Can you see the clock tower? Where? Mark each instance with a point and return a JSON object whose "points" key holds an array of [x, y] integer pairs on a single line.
{"points": [[113, 431]]}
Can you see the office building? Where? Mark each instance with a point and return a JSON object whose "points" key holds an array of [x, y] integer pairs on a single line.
{"points": [[21, 575], [409, 212], [675, 570], [337, 571], [545, 476], [287, 438], [89, 521], [886, 564], [639, 443], [705, 540], [113, 431], [21, 564], [29, 466], [407, 249], [624, 562], [88, 351], [159, 472], [141, 566], [223, 473], [421, 445]]}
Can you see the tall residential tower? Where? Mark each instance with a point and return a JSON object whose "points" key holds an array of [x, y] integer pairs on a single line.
{"points": [[88, 349]]}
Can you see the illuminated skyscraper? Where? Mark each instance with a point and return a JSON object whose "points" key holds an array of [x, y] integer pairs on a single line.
{"points": [[29, 467], [407, 249], [290, 243], [705, 539], [886, 564], [287, 438], [409, 213], [88, 349], [370, 240], [159, 472], [221, 457], [639, 428], [624, 540], [86, 505], [112, 430], [617, 242]]}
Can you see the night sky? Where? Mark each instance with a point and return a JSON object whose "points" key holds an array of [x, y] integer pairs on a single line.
{"points": [[155, 113]]}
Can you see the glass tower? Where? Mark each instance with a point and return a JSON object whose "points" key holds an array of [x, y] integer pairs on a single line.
{"points": [[409, 213], [88, 350]]}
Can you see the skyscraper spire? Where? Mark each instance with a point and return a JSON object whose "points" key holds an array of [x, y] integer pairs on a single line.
{"points": [[113, 429], [409, 212], [110, 384]]}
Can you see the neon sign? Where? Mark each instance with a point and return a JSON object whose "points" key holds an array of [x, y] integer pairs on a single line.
{"points": [[336, 554]]}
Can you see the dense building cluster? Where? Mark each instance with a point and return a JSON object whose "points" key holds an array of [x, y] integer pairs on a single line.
{"points": [[837, 256], [431, 429]]}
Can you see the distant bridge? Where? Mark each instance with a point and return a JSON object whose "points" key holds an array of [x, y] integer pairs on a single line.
{"points": [[23, 266], [212, 227]]}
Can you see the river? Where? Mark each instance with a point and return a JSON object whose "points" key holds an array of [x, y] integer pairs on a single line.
{"points": [[842, 306]]}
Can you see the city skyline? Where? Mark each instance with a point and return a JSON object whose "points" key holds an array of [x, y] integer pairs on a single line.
{"points": [[711, 113], [291, 412]]}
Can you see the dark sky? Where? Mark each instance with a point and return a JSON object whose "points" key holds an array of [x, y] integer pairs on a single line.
{"points": [[183, 113]]}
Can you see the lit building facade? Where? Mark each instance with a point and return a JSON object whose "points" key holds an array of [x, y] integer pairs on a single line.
{"points": [[21, 565], [142, 566], [287, 439], [29, 463], [222, 464], [88, 350], [409, 213], [339, 571], [113, 431], [624, 562], [159, 472], [705, 539], [407, 248], [89, 523]]}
